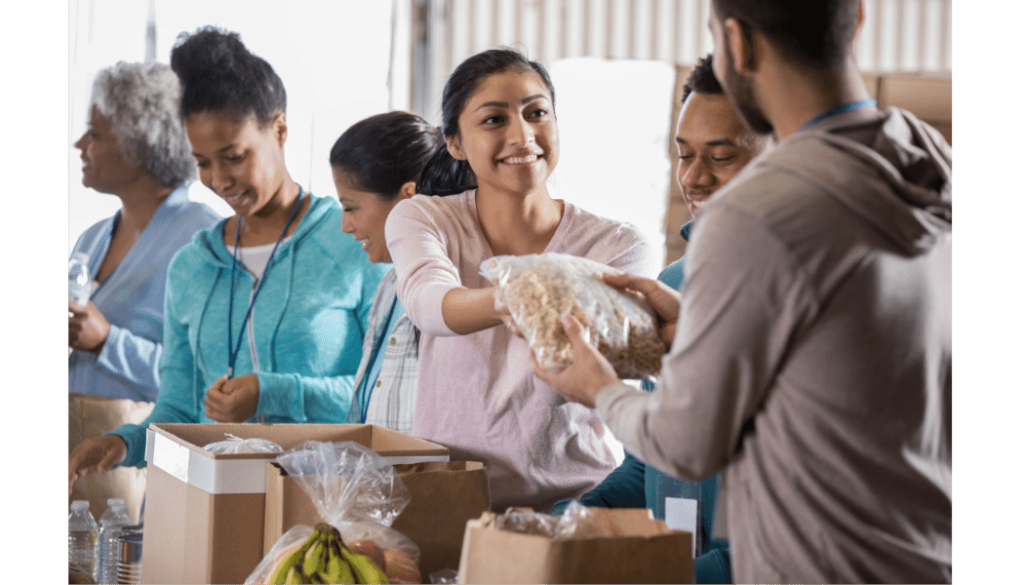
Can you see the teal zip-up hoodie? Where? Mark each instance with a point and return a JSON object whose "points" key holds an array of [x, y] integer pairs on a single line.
{"points": [[308, 321]]}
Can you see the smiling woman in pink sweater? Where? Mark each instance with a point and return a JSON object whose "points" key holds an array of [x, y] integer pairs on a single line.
{"points": [[476, 392]]}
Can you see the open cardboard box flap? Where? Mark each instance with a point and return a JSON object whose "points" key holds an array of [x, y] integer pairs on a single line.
{"points": [[288, 435]]}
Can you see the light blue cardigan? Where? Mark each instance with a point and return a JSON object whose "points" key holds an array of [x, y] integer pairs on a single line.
{"points": [[309, 322], [131, 298]]}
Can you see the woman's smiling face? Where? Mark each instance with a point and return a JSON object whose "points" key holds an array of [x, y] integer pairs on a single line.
{"points": [[363, 215], [240, 161], [508, 133]]}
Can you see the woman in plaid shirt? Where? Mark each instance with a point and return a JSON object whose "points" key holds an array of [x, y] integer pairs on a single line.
{"points": [[376, 164]]}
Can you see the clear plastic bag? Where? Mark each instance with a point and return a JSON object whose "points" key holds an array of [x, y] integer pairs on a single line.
{"points": [[354, 490], [564, 527], [541, 289], [234, 445]]}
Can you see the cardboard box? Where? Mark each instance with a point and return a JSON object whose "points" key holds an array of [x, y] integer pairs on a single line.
{"points": [[928, 97], [204, 512], [444, 497], [641, 550]]}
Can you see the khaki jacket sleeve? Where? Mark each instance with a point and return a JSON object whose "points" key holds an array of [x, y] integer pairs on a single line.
{"points": [[742, 301]]}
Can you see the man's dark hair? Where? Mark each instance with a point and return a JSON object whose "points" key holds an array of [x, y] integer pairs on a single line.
{"points": [[702, 79], [814, 33]]}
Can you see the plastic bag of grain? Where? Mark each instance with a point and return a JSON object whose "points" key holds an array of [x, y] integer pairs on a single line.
{"points": [[541, 289]]}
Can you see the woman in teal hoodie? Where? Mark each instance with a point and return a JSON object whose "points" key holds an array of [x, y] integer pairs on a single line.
{"points": [[266, 311]]}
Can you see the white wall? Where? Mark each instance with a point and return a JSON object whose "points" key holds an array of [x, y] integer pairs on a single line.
{"points": [[614, 159], [333, 56]]}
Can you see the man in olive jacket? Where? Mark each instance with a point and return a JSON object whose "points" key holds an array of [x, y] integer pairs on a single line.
{"points": [[813, 359]]}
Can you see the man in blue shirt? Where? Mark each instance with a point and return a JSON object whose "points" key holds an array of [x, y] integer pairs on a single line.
{"points": [[714, 145]]}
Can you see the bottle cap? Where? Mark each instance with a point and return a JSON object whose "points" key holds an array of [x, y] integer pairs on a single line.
{"points": [[114, 501], [79, 505]]}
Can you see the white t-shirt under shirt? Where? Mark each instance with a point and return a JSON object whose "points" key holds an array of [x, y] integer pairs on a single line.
{"points": [[255, 259]]}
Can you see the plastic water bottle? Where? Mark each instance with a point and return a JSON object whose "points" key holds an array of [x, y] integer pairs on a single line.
{"points": [[79, 285], [82, 537], [111, 524]]}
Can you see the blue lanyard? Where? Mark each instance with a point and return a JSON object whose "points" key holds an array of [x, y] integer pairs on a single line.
{"points": [[233, 353], [365, 406], [839, 110]]}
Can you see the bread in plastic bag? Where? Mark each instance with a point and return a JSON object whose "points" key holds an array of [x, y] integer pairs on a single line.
{"points": [[541, 289], [355, 491]]}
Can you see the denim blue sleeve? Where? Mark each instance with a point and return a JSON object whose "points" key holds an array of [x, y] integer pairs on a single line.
{"points": [[134, 358]]}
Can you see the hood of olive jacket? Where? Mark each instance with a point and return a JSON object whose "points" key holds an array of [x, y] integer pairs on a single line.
{"points": [[894, 153]]}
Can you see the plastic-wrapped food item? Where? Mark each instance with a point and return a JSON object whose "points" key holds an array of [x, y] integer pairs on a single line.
{"points": [[234, 445], [541, 289], [357, 494], [564, 527]]}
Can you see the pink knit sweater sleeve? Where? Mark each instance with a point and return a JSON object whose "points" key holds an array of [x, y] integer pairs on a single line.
{"points": [[418, 248]]}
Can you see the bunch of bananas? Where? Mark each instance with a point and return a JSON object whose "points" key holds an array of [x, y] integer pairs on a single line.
{"points": [[324, 558]]}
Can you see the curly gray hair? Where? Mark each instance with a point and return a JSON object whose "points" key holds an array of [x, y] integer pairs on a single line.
{"points": [[142, 102]]}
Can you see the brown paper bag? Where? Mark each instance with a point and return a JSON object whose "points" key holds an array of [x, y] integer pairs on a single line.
{"points": [[642, 550], [91, 416], [445, 496]]}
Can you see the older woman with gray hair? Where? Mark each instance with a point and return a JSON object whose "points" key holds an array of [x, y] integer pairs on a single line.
{"points": [[134, 148]]}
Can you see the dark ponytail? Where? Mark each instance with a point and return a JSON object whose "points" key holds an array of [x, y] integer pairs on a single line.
{"points": [[445, 175]]}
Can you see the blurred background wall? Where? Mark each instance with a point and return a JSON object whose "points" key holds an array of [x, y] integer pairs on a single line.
{"points": [[616, 66]]}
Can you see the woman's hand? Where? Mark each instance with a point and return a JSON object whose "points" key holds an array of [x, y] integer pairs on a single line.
{"points": [[663, 299], [95, 455], [234, 400], [589, 372], [87, 327]]}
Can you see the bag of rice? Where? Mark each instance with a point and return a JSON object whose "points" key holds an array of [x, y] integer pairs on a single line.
{"points": [[541, 289]]}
